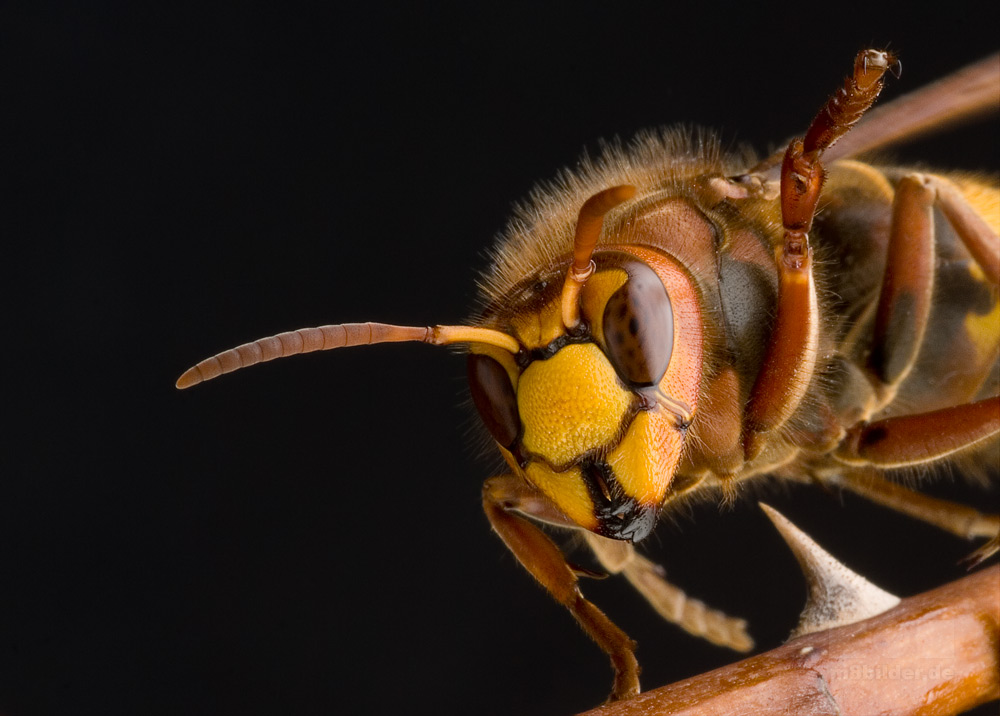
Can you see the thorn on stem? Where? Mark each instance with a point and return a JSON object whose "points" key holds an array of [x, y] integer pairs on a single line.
{"points": [[837, 596]]}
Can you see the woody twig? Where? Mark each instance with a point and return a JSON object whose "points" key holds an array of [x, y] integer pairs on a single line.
{"points": [[857, 651]]}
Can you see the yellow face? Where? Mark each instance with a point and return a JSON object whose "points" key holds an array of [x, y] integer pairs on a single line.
{"points": [[595, 419]]}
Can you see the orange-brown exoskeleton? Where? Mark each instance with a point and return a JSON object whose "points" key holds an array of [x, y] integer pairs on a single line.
{"points": [[670, 320]]}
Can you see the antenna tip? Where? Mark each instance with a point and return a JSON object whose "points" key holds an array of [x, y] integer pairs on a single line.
{"points": [[192, 376]]}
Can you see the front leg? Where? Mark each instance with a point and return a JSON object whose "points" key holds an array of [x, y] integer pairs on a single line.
{"points": [[506, 500], [669, 600], [790, 361]]}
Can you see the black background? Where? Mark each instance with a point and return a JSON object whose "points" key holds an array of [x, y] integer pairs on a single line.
{"points": [[306, 537]]}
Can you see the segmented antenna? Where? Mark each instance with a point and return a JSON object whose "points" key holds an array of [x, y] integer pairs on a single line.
{"points": [[344, 335], [588, 231]]}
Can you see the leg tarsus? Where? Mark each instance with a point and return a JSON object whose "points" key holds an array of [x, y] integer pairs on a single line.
{"points": [[959, 520], [546, 563], [788, 367], [669, 601], [984, 552]]}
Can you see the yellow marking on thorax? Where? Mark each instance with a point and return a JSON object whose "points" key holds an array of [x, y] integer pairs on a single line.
{"points": [[982, 196], [984, 331], [848, 173]]}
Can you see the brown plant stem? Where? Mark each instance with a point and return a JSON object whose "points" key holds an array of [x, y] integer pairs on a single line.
{"points": [[935, 653]]}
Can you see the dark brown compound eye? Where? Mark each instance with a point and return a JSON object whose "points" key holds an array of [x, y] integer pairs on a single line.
{"points": [[639, 327], [494, 398]]}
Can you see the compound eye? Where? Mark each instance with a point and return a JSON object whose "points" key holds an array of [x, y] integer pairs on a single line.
{"points": [[494, 398], [639, 327]]}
